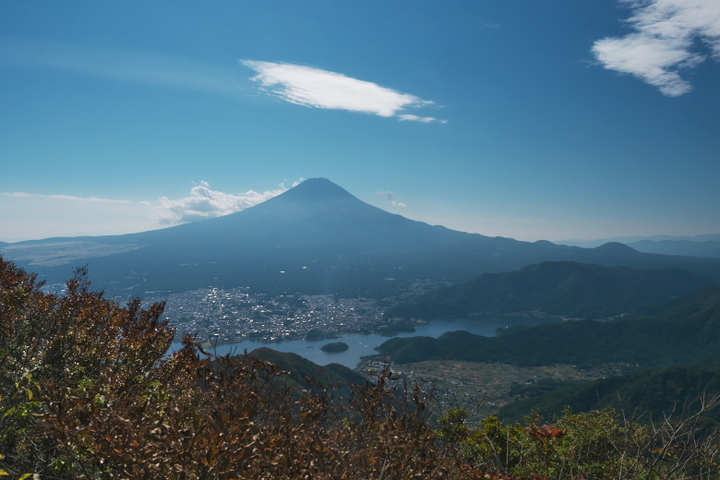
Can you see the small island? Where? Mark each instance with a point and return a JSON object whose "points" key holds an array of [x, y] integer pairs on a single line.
{"points": [[335, 347]]}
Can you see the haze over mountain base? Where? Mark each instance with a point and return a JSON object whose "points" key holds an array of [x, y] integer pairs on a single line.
{"points": [[314, 238]]}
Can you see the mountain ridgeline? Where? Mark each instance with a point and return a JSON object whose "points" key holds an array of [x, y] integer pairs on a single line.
{"points": [[302, 374], [314, 238], [561, 289], [706, 248]]}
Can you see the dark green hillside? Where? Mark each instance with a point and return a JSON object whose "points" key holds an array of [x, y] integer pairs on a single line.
{"points": [[334, 347], [651, 393], [566, 289], [300, 370], [699, 307], [686, 332]]}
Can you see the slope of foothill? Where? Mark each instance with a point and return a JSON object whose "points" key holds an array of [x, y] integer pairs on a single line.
{"points": [[686, 330], [303, 374], [649, 394], [314, 238], [566, 289]]}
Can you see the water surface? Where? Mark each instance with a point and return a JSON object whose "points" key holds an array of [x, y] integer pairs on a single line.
{"points": [[362, 345]]}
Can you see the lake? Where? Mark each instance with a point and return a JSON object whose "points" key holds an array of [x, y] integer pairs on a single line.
{"points": [[362, 345]]}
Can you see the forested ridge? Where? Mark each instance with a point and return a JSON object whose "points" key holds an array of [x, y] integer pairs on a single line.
{"points": [[682, 332], [557, 289]]}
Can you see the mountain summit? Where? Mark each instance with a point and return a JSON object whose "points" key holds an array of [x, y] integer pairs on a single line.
{"points": [[317, 190], [312, 195], [313, 199], [313, 238], [314, 214]]}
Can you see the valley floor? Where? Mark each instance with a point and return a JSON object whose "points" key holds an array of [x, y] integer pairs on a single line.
{"points": [[483, 388]]}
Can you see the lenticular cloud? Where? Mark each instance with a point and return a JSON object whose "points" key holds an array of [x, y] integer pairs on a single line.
{"points": [[667, 36], [313, 87]]}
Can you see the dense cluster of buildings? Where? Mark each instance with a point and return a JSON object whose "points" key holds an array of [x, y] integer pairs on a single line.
{"points": [[232, 315]]}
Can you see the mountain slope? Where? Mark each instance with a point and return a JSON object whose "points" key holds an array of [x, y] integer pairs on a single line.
{"points": [[305, 375], [314, 238], [568, 289], [685, 331], [654, 393]]}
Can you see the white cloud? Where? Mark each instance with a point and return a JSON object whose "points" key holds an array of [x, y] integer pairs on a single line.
{"points": [[665, 41], [26, 216], [313, 87], [390, 198], [206, 203], [62, 197], [416, 118], [120, 64], [297, 84]]}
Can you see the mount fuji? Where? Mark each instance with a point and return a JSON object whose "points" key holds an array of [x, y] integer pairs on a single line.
{"points": [[314, 238]]}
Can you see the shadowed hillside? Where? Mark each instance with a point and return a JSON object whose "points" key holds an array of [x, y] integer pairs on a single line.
{"points": [[566, 289], [303, 374], [685, 331], [647, 395]]}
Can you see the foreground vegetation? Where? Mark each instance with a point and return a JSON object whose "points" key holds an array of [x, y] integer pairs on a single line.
{"points": [[89, 390]]}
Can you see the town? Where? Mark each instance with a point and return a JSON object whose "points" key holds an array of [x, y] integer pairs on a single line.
{"points": [[219, 316]]}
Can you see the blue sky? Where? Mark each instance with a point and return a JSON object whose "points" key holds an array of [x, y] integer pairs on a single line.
{"points": [[534, 120]]}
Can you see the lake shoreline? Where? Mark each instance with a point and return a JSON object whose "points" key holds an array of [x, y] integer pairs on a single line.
{"points": [[364, 345]]}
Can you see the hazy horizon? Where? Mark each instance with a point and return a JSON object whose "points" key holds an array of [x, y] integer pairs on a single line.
{"points": [[191, 212], [530, 120]]}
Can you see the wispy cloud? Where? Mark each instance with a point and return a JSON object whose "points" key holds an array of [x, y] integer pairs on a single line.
{"points": [[313, 87], [121, 64], [62, 197], [204, 202], [488, 25], [390, 198], [33, 215], [416, 118], [297, 84], [666, 38]]}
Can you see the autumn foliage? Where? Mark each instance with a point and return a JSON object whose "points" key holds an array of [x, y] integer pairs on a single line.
{"points": [[90, 390]]}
